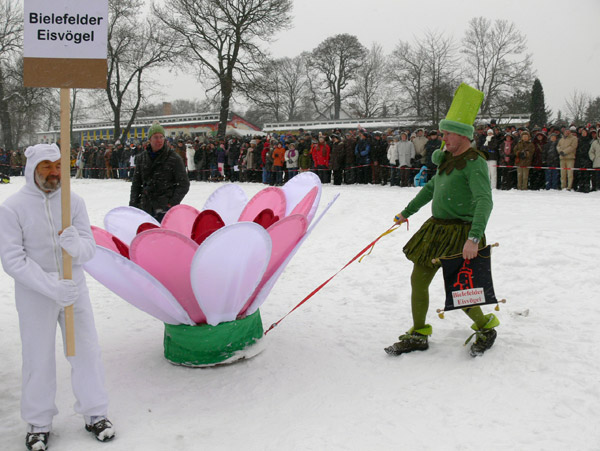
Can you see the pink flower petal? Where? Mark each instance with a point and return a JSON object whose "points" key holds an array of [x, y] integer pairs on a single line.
{"points": [[167, 255], [285, 234], [272, 198], [180, 218], [136, 286]]}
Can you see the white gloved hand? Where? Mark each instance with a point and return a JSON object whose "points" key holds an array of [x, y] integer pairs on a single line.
{"points": [[69, 240], [67, 293]]}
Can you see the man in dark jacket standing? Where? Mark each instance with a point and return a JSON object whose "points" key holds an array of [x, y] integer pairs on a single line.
{"points": [[160, 180]]}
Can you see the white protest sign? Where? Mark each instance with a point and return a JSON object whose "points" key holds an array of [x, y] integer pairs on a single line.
{"points": [[65, 43], [65, 29]]}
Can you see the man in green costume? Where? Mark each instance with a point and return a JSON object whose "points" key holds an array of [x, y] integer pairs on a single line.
{"points": [[462, 203]]}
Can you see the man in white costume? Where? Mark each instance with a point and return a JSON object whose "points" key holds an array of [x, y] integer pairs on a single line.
{"points": [[31, 244]]}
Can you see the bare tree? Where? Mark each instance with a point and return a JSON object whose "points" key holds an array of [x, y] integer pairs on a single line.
{"points": [[294, 85], [28, 106], [495, 60], [264, 90], [135, 46], [277, 88], [407, 75], [368, 99], [222, 37], [576, 105], [336, 61], [11, 36], [425, 74], [440, 73]]}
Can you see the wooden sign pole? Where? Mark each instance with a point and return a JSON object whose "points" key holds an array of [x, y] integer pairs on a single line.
{"points": [[65, 182], [65, 64]]}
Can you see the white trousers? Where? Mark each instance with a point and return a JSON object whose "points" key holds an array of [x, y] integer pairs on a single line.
{"points": [[38, 317], [492, 169]]}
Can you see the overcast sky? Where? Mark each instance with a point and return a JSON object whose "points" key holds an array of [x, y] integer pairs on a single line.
{"points": [[563, 36]]}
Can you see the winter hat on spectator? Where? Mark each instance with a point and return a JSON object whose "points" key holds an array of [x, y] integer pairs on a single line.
{"points": [[573, 128], [155, 128], [35, 155], [463, 111], [117, 142]]}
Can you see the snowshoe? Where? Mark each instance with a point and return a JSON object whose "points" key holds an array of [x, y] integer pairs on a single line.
{"points": [[102, 429], [413, 340], [37, 441], [484, 337]]}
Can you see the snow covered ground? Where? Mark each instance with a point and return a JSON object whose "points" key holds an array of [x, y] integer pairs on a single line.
{"points": [[323, 381]]}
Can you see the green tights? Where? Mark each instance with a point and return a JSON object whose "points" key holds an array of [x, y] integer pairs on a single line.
{"points": [[420, 280]]}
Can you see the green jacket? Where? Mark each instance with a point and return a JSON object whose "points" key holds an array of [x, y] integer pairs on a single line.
{"points": [[458, 193]]}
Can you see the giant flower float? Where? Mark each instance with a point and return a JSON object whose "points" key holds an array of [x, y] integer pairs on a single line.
{"points": [[205, 273]]}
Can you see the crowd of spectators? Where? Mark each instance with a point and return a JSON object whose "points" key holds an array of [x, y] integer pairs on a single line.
{"points": [[550, 157]]}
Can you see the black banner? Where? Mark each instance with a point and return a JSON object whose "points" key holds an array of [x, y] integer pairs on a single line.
{"points": [[468, 282]]}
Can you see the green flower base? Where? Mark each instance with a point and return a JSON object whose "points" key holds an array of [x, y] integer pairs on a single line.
{"points": [[206, 345]]}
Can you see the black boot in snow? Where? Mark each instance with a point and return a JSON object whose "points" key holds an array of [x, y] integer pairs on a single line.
{"points": [[484, 337], [409, 342], [484, 340], [37, 441]]}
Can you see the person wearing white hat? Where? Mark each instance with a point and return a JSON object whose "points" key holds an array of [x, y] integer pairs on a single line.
{"points": [[31, 244]]}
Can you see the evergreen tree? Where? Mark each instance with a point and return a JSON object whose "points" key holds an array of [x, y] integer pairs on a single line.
{"points": [[539, 114], [592, 112]]}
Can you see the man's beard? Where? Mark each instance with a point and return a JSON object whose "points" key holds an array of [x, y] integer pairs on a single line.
{"points": [[49, 184]]}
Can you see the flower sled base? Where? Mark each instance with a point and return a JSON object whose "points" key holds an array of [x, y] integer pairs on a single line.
{"points": [[206, 345]]}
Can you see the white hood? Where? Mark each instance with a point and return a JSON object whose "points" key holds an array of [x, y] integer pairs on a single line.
{"points": [[35, 155]]}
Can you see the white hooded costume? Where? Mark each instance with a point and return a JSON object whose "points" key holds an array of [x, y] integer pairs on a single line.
{"points": [[30, 252]]}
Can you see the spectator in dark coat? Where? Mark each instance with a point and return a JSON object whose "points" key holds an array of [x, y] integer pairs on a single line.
{"points": [[582, 179], [160, 180], [233, 157], [506, 158], [433, 143], [550, 159], [378, 157], [362, 152], [349, 171], [536, 177], [200, 161], [221, 158], [337, 159], [100, 163]]}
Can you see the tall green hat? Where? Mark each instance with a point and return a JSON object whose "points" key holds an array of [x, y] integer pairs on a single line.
{"points": [[155, 128], [463, 111]]}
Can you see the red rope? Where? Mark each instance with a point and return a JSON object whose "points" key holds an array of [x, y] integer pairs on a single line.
{"points": [[316, 290]]}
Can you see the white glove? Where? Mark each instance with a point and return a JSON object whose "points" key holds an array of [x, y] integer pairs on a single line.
{"points": [[67, 293], [69, 240]]}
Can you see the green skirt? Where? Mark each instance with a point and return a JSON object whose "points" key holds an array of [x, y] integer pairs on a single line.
{"points": [[438, 238], [205, 345]]}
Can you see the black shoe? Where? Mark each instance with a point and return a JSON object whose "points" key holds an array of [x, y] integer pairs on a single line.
{"points": [[483, 341], [408, 343], [103, 430], [37, 440]]}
